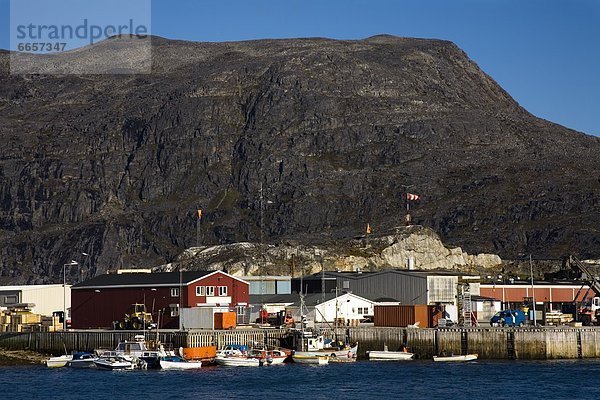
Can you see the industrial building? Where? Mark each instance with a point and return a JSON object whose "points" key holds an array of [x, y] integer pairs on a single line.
{"points": [[46, 299], [100, 301], [404, 286], [556, 296]]}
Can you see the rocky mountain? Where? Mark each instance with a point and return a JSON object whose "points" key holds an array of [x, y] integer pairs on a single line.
{"points": [[276, 140]]}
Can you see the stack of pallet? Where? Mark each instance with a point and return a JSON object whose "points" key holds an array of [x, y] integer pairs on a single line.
{"points": [[558, 318], [51, 324], [20, 320], [4, 321], [24, 321]]}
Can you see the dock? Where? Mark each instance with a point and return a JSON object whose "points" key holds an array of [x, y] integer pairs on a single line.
{"points": [[528, 343]]}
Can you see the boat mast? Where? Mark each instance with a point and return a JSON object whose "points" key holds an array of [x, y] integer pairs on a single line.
{"points": [[302, 307]]}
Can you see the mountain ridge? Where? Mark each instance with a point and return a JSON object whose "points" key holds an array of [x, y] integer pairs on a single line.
{"points": [[116, 166]]}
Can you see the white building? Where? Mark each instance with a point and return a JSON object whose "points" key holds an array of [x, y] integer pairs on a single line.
{"points": [[47, 298], [347, 308]]}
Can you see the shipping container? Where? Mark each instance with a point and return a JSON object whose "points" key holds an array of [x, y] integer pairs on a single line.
{"points": [[200, 353], [225, 320], [404, 315]]}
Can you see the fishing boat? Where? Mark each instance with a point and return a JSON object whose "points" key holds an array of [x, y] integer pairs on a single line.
{"points": [[310, 359], [176, 362], [312, 348], [60, 361], [452, 358], [113, 361], [82, 360], [311, 345]]}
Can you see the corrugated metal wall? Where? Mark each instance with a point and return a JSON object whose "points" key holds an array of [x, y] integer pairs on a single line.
{"points": [[407, 289], [402, 316], [442, 289]]}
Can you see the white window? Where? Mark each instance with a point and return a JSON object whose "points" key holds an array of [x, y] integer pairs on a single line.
{"points": [[199, 290], [174, 292], [210, 290], [174, 310], [222, 290]]}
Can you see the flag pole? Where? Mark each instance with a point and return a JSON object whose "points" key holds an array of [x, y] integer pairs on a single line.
{"points": [[198, 227]]}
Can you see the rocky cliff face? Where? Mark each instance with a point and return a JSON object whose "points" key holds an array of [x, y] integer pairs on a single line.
{"points": [[116, 166], [420, 245]]}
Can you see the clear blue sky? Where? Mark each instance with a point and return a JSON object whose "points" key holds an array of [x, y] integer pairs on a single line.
{"points": [[545, 53]]}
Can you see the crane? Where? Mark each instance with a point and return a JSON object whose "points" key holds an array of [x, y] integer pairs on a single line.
{"points": [[589, 313]]}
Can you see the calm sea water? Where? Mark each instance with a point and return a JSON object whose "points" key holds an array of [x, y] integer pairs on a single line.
{"points": [[574, 379]]}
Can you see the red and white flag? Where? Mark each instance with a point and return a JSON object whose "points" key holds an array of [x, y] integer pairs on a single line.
{"points": [[410, 196]]}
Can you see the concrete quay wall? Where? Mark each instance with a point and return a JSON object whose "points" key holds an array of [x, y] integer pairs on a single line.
{"points": [[488, 343]]}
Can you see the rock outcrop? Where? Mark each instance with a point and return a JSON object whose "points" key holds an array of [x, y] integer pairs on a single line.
{"points": [[414, 246]]}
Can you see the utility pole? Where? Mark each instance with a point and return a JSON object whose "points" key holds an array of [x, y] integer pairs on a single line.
{"points": [[532, 290], [72, 263]]}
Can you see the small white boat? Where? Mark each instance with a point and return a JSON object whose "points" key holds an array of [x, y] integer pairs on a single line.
{"points": [[82, 360], [113, 361], [237, 361], [310, 359], [175, 362], [467, 357], [390, 355], [60, 361]]}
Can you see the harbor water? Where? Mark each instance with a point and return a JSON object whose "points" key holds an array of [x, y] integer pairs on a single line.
{"points": [[566, 379]]}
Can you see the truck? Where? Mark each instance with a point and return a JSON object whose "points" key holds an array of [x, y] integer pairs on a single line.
{"points": [[508, 318]]}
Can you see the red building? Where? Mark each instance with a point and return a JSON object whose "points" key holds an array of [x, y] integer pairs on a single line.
{"points": [[97, 302]]}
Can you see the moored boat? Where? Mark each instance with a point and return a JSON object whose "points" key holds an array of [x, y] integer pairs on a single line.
{"points": [[390, 355], [237, 361], [334, 354], [82, 360], [401, 355], [269, 355], [176, 362], [466, 357], [113, 361], [60, 361], [310, 359]]}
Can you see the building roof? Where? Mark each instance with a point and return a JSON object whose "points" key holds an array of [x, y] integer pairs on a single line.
{"points": [[311, 299], [483, 298], [30, 287], [516, 283], [145, 280], [274, 298], [279, 278], [364, 274]]}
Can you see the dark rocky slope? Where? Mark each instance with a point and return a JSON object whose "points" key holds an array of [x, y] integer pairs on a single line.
{"points": [[116, 166]]}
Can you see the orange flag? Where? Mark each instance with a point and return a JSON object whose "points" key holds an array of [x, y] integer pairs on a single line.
{"points": [[368, 229], [199, 214]]}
